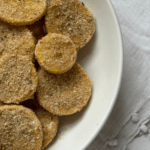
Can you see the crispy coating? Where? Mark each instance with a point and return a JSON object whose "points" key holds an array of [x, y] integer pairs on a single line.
{"points": [[16, 40], [49, 125], [22, 12], [66, 93], [56, 53], [49, 121], [37, 29], [18, 79], [48, 3], [70, 18], [20, 129]]}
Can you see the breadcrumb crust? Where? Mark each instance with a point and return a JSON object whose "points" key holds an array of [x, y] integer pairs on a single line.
{"points": [[20, 129], [66, 93], [56, 53], [71, 18], [18, 79], [22, 12]]}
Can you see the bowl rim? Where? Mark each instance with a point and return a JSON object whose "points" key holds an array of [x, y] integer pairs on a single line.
{"points": [[119, 79]]}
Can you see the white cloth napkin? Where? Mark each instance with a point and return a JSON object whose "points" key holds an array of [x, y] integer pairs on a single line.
{"points": [[129, 123]]}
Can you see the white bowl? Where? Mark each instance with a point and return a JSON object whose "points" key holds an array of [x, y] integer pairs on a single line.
{"points": [[102, 59]]}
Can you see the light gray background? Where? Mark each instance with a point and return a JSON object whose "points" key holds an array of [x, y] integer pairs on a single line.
{"points": [[120, 132]]}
